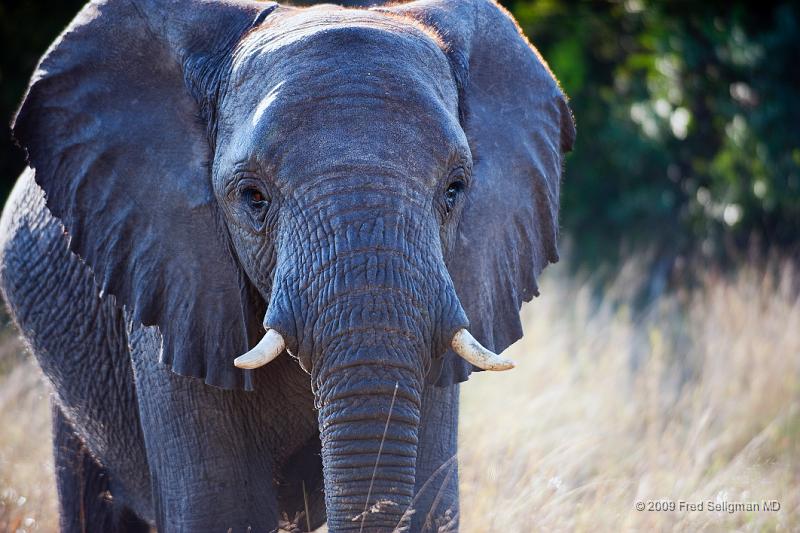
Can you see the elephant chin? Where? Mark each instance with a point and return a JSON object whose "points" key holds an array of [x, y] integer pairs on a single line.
{"points": [[369, 450]]}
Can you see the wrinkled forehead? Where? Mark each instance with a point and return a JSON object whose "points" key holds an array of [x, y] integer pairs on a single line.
{"points": [[329, 73], [292, 30]]}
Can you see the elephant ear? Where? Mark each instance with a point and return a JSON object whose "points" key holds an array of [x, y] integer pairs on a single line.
{"points": [[113, 124], [518, 126]]}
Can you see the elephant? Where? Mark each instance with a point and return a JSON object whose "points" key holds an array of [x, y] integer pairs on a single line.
{"points": [[258, 247]]}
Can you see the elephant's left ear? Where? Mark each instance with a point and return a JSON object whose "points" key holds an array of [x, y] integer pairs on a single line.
{"points": [[114, 126], [518, 126]]}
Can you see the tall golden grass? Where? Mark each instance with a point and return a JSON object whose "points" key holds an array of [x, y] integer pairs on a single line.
{"points": [[27, 488], [694, 398]]}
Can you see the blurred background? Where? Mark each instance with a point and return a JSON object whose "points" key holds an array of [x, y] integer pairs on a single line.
{"points": [[663, 359]]}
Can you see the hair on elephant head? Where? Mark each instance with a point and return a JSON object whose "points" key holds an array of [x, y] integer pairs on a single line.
{"points": [[377, 188]]}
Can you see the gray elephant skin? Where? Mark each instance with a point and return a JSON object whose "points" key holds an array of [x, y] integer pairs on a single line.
{"points": [[364, 183]]}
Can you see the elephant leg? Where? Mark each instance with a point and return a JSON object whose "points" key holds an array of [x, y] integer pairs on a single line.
{"points": [[436, 492], [85, 491], [209, 470], [77, 337]]}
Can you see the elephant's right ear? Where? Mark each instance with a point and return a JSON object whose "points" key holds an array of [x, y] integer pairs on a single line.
{"points": [[114, 125]]}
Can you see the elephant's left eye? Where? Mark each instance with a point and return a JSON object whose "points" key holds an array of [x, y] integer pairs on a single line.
{"points": [[451, 194]]}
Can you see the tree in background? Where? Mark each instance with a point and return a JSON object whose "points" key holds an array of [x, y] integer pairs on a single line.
{"points": [[688, 122]]}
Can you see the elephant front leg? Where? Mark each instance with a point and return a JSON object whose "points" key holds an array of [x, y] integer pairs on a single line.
{"points": [[436, 493], [209, 470], [86, 499]]}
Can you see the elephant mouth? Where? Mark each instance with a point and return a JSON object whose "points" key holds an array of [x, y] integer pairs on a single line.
{"points": [[369, 422], [462, 343], [369, 483]]}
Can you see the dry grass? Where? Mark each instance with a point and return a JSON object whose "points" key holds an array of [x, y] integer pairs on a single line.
{"points": [[695, 398], [575, 437], [27, 489]]}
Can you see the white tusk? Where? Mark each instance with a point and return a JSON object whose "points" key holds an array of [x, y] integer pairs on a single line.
{"points": [[267, 349], [465, 345]]}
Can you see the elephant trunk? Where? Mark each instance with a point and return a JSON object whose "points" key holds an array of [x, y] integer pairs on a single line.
{"points": [[369, 450], [368, 384]]}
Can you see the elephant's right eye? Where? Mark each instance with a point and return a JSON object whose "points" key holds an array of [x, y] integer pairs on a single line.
{"points": [[250, 204], [256, 204], [255, 199]]}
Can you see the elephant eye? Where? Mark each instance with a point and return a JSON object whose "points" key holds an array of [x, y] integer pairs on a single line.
{"points": [[255, 199], [452, 193], [252, 205]]}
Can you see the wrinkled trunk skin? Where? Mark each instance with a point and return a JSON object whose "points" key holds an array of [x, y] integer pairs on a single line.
{"points": [[360, 485], [365, 318], [369, 394]]}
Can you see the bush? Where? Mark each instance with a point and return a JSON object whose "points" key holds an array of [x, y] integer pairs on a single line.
{"points": [[687, 122]]}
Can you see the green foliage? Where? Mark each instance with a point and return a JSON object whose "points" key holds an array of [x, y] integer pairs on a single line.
{"points": [[688, 122]]}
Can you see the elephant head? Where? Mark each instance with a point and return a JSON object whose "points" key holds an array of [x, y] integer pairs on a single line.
{"points": [[376, 189]]}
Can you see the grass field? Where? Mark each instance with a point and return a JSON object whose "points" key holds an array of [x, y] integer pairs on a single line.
{"points": [[574, 438], [692, 398]]}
